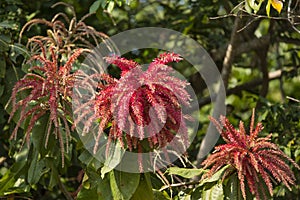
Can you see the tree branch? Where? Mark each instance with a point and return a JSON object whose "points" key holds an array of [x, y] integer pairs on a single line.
{"points": [[179, 185], [251, 84]]}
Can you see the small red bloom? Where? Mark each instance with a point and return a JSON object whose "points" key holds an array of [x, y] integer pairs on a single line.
{"points": [[253, 158]]}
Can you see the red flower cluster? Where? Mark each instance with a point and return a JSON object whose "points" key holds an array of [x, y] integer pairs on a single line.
{"points": [[50, 89], [140, 106], [253, 158]]}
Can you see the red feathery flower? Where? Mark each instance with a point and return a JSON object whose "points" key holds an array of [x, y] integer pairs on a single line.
{"points": [[253, 158], [141, 105], [50, 89]]}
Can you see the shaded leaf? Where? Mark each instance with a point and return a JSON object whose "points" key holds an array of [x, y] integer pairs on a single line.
{"points": [[50, 163], [94, 7], [4, 42], [123, 184], [18, 49], [158, 195], [87, 194], [144, 190], [8, 24], [35, 170], [2, 68]]}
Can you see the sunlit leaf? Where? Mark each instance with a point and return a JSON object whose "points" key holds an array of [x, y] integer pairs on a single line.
{"points": [[216, 177], [213, 193], [252, 4], [185, 172], [277, 5], [110, 6]]}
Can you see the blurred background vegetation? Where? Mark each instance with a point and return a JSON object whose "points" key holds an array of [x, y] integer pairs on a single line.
{"points": [[264, 73]]}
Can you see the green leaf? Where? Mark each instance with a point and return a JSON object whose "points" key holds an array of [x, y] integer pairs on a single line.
{"points": [[11, 176], [116, 153], [103, 189], [1, 92], [110, 6], [35, 171], [232, 189], [268, 7], [86, 157], [94, 7], [85, 194], [4, 42], [50, 163], [158, 195], [2, 68], [94, 187], [18, 49], [123, 184], [144, 190], [185, 172], [38, 136], [213, 193], [216, 177], [252, 4], [9, 25]]}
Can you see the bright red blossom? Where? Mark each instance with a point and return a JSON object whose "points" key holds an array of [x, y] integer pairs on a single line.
{"points": [[255, 159], [141, 105]]}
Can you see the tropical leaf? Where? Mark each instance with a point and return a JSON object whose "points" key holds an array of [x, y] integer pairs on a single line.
{"points": [[185, 172]]}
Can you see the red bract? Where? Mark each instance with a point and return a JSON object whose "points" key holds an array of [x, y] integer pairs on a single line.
{"points": [[141, 105], [255, 159], [50, 88]]}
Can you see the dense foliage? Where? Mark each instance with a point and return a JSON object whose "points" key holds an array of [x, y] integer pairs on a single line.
{"points": [[254, 44]]}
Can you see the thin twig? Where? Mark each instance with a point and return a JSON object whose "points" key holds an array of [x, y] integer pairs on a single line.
{"points": [[293, 99], [63, 189], [179, 185]]}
